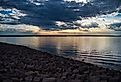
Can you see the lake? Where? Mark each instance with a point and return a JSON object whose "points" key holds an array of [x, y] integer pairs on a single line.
{"points": [[102, 51]]}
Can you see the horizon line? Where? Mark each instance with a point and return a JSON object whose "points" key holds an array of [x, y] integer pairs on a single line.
{"points": [[60, 35]]}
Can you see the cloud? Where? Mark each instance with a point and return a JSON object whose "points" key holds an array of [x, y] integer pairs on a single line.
{"points": [[84, 1], [11, 13], [19, 28], [102, 21], [61, 14]]}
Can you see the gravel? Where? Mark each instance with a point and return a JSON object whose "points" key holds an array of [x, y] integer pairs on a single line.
{"points": [[23, 64]]}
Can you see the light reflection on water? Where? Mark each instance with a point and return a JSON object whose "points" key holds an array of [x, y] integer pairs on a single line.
{"points": [[104, 51]]}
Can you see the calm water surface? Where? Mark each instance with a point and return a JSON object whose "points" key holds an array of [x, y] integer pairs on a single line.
{"points": [[103, 51]]}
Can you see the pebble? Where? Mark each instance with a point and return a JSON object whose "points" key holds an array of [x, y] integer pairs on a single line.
{"points": [[7, 80], [94, 79], [114, 79], [18, 63], [75, 71], [49, 79], [60, 80], [44, 76], [28, 78], [29, 73], [37, 79], [75, 81]]}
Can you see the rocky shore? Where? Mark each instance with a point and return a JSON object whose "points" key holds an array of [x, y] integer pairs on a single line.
{"points": [[22, 64]]}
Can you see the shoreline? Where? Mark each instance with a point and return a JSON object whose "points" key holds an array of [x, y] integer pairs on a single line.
{"points": [[22, 64], [92, 35]]}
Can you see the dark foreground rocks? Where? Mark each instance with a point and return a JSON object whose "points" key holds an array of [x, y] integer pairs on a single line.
{"points": [[22, 64]]}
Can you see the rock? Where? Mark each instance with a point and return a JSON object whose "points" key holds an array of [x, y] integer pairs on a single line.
{"points": [[34, 66], [73, 76], [94, 79], [29, 73], [52, 79], [7, 80], [3, 70], [63, 77], [114, 79], [44, 76], [76, 71], [82, 69], [74, 81], [104, 77], [60, 80], [65, 73], [15, 79], [78, 76], [30, 66], [104, 81], [87, 72], [29, 78], [37, 79]]}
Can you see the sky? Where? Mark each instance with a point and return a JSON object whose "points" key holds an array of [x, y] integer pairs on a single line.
{"points": [[37, 15]]}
